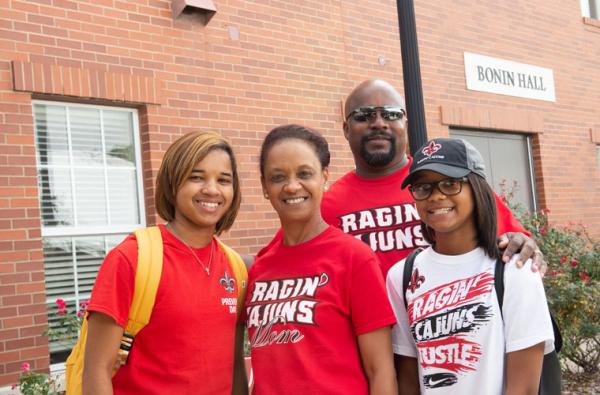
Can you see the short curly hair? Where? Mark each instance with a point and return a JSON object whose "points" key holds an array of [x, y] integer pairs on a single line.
{"points": [[299, 132]]}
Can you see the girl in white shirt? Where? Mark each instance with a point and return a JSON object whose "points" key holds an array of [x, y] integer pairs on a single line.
{"points": [[452, 338]]}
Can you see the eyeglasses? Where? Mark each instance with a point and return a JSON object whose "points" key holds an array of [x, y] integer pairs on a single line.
{"points": [[448, 186], [369, 114]]}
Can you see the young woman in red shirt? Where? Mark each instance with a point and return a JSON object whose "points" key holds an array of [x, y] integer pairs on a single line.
{"points": [[190, 345]]}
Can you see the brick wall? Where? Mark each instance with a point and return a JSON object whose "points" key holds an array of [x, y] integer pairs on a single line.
{"points": [[548, 34], [258, 64]]}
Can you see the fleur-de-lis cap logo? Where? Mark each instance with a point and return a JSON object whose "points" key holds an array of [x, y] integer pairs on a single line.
{"points": [[431, 148]]}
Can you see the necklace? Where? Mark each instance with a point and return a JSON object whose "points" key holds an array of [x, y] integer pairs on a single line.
{"points": [[210, 257]]}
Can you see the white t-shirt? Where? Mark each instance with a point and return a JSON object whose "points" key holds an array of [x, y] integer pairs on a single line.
{"points": [[454, 326]]}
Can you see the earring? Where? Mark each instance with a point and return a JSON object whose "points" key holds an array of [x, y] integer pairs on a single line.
{"points": [[266, 195], [325, 187]]}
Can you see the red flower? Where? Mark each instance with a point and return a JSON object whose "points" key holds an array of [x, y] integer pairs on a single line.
{"points": [[563, 260], [79, 313], [62, 306], [584, 277], [542, 230], [574, 262], [25, 366], [554, 273]]}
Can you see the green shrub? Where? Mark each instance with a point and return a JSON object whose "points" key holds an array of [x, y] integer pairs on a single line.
{"points": [[572, 286], [32, 383]]}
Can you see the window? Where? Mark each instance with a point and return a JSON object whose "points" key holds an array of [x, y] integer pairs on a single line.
{"points": [[590, 8], [90, 191], [508, 161]]}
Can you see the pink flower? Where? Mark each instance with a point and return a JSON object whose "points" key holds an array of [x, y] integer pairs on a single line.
{"points": [[79, 313], [542, 230], [12, 387], [563, 260], [25, 366]]}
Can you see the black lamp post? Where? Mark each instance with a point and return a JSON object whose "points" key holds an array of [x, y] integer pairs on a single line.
{"points": [[415, 109]]}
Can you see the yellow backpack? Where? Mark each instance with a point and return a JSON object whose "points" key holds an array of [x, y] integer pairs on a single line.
{"points": [[147, 278]]}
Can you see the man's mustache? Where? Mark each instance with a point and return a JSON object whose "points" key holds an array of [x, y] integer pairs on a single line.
{"points": [[378, 134]]}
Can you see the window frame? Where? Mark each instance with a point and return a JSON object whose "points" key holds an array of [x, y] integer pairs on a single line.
{"points": [[108, 229], [74, 232], [587, 10]]}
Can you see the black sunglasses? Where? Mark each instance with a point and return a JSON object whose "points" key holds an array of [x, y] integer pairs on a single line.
{"points": [[369, 114]]}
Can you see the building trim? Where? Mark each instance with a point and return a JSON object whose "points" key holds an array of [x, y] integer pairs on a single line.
{"points": [[45, 78], [483, 117]]}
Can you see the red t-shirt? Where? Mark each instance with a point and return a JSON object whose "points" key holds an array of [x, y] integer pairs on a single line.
{"points": [[187, 348], [383, 215], [305, 307]]}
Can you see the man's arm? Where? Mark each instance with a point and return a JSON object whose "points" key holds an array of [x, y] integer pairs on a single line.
{"points": [[376, 355]]}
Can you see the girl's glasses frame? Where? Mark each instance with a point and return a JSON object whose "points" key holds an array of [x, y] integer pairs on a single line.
{"points": [[447, 186]]}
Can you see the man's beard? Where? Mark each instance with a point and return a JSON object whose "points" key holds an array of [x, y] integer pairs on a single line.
{"points": [[381, 158]]}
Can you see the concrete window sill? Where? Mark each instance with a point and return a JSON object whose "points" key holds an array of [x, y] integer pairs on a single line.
{"points": [[592, 22]]}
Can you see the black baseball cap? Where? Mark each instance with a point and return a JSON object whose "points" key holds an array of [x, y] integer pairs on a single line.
{"points": [[451, 157]]}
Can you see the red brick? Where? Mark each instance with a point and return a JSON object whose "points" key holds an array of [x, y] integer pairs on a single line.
{"points": [[37, 330], [7, 290], [14, 278], [39, 351], [10, 323], [7, 334], [19, 344], [29, 288]]}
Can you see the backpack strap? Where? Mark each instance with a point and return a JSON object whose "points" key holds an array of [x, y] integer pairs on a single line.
{"points": [[147, 278], [499, 286], [499, 282], [239, 271], [409, 263]]}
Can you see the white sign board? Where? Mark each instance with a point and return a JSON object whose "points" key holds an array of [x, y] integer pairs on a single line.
{"points": [[493, 75]]}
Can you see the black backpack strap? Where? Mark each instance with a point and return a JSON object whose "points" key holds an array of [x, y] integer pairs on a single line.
{"points": [[407, 274], [499, 282]]}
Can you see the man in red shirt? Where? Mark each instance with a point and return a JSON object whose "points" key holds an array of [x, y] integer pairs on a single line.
{"points": [[370, 204]]}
